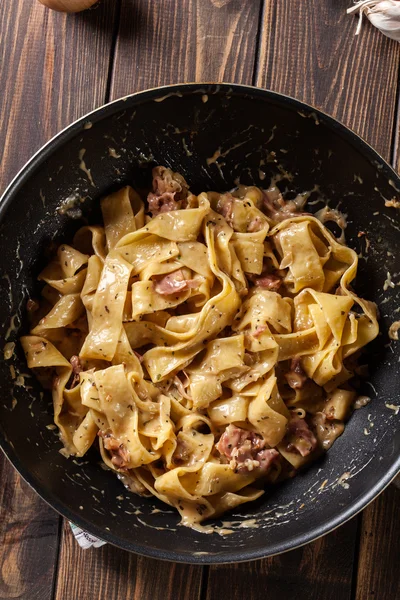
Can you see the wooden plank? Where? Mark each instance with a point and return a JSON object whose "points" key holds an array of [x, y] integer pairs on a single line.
{"points": [[53, 69], [320, 571], [171, 41], [377, 576], [108, 573], [308, 50], [28, 539]]}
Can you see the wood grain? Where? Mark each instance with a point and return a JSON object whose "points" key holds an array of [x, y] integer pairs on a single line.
{"points": [[309, 50], [28, 540], [112, 574], [172, 41], [378, 564], [54, 68], [320, 571]]}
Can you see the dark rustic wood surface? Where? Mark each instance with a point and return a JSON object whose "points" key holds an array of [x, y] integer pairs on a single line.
{"points": [[53, 69]]}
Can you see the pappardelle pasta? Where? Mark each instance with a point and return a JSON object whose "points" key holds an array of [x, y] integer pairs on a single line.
{"points": [[206, 342]]}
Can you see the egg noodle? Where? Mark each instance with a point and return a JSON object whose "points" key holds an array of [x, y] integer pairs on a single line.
{"points": [[205, 341]]}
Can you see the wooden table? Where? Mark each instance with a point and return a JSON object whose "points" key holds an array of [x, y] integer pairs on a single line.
{"points": [[54, 68]]}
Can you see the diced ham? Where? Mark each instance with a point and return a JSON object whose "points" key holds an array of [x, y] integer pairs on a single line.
{"points": [[169, 191], [259, 330], [32, 306], [275, 207], [182, 453], [268, 282], [278, 209], [174, 283], [182, 387], [225, 207], [138, 356], [76, 369], [296, 377], [119, 454], [162, 203], [299, 437], [246, 450], [267, 458], [255, 225]]}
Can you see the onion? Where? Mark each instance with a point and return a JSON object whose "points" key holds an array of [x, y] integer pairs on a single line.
{"points": [[70, 6]]}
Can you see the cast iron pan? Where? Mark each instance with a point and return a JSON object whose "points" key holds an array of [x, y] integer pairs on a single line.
{"points": [[247, 133]]}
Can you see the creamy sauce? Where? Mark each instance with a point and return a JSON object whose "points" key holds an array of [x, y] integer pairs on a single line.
{"points": [[21, 264], [395, 407], [83, 167], [10, 298], [8, 350], [312, 115], [162, 98], [113, 153], [154, 527], [185, 147], [333, 214], [388, 282], [213, 159], [343, 480], [392, 183], [271, 137], [12, 327], [393, 203], [394, 330]]}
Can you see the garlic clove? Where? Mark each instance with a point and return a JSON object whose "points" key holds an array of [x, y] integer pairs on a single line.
{"points": [[69, 6], [383, 14], [388, 22]]}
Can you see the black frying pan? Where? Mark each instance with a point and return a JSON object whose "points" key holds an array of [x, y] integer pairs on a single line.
{"points": [[256, 134]]}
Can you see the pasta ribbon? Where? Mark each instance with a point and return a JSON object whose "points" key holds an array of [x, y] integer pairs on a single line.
{"points": [[207, 342]]}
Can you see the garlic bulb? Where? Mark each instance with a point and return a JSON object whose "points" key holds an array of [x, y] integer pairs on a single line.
{"points": [[70, 6], [384, 14]]}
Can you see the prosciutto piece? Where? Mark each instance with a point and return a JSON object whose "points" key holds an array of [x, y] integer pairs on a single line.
{"points": [[278, 209], [76, 369], [174, 283], [246, 450], [296, 377], [255, 225], [168, 193], [119, 454], [299, 436], [268, 282], [225, 207]]}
